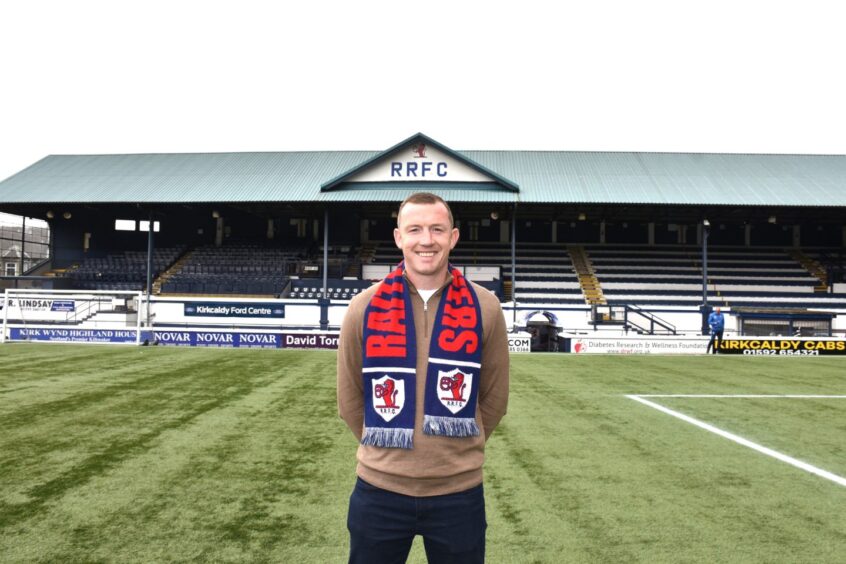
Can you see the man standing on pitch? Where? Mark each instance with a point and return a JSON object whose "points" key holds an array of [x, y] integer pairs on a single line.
{"points": [[717, 323], [422, 383]]}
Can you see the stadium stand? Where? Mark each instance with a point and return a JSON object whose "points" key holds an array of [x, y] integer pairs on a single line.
{"points": [[618, 230], [827, 264], [337, 289], [240, 268], [544, 272], [672, 276], [639, 275], [120, 271]]}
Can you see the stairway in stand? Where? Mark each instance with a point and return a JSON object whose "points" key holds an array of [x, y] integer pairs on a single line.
{"points": [[813, 267], [174, 268], [591, 288], [365, 255]]}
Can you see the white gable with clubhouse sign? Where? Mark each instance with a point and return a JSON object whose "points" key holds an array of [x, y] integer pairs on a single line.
{"points": [[419, 162]]}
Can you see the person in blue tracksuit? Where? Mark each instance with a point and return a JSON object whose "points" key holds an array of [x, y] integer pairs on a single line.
{"points": [[717, 323]]}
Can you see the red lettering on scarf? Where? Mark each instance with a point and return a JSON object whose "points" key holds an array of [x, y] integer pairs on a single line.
{"points": [[386, 321], [387, 288], [393, 303], [385, 345], [451, 342], [464, 317], [460, 295]]}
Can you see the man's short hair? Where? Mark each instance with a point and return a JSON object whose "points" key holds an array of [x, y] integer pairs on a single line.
{"points": [[426, 198]]}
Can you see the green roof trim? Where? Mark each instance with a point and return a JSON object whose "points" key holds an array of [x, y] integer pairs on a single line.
{"points": [[339, 182]]}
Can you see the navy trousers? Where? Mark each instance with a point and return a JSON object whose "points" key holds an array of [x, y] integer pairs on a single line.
{"points": [[715, 342], [383, 524]]}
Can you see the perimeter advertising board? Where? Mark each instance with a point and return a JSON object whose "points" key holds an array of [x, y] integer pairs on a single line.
{"points": [[179, 337], [246, 339], [698, 345], [521, 342], [783, 347], [234, 309], [627, 345], [43, 309], [61, 335]]}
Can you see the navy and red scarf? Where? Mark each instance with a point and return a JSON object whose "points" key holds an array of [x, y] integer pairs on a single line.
{"points": [[390, 364]]}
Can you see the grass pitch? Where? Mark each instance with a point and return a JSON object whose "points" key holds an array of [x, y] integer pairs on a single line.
{"points": [[125, 454]]}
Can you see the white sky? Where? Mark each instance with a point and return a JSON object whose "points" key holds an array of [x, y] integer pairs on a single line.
{"points": [[87, 76]]}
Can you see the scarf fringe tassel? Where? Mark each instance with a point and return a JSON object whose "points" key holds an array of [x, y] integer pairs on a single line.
{"points": [[450, 426], [387, 437]]}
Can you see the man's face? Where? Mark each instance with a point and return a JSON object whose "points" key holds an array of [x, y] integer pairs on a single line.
{"points": [[425, 237]]}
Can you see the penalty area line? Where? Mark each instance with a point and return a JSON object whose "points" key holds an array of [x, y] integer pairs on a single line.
{"points": [[741, 441]]}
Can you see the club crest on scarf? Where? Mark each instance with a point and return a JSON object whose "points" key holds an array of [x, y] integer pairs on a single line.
{"points": [[454, 388], [388, 397]]}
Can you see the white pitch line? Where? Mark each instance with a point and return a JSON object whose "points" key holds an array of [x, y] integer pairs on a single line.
{"points": [[745, 442], [744, 396]]}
